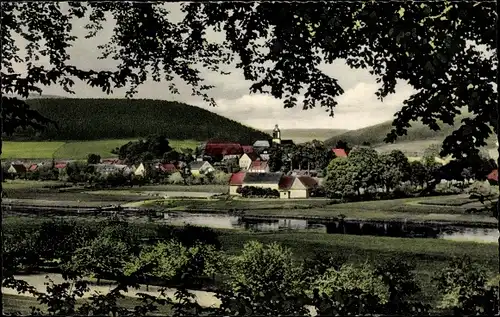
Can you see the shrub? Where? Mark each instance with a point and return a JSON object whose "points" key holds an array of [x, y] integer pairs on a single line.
{"points": [[176, 178], [221, 178], [251, 191]]}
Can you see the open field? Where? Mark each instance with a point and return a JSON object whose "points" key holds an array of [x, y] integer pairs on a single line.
{"points": [[417, 209], [26, 150], [73, 149], [97, 119], [18, 303], [429, 255]]}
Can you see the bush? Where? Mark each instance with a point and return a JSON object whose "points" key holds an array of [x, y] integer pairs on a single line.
{"points": [[176, 178], [251, 191], [221, 178]]}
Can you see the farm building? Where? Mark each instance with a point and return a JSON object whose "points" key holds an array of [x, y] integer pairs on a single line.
{"points": [[246, 160], [197, 168], [288, 186], [259, 167], [219, 149], [235, 182], [17, 170]]}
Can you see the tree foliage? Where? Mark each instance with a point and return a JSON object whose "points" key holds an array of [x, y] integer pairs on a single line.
{"points": [[265, 281]]}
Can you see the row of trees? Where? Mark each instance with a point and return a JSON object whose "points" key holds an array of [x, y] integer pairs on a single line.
{"points": [[313, 155], [366, 169], [259, 280], [153, 147]]}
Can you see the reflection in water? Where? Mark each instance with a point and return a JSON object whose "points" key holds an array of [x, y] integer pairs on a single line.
{"points": [[353, 228], [472, 235]]}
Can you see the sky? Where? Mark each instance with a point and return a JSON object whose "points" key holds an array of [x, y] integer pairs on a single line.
{"points": [[358, 107]]}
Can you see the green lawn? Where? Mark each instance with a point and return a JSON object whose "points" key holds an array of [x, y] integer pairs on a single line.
{"points": [[27, 150], [73, 150], [410, 209], [22, 304]]}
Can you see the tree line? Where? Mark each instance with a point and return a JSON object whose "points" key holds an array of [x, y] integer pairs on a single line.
{"points": [[261, 279], [367, 171]]}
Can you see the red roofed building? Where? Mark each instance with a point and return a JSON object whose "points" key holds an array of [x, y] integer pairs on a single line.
{"points": [[60, 165], [339, 152], [167, 168], [235, 182], [493, 177], [111, 161], [220, 149], [33, 167], [247, 149], [297, 187]]}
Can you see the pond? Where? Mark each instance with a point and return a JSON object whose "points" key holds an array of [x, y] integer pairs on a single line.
{"points": [[401, 230]]}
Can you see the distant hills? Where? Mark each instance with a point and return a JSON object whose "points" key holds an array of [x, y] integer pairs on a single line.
{"points": [[94, 119], [418, 135]]}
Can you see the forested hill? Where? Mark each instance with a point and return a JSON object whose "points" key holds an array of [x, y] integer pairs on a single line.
{"points": [[92, 119], [375, 134]]}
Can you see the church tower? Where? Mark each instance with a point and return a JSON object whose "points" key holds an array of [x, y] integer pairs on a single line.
{"points": [[276, 135]]}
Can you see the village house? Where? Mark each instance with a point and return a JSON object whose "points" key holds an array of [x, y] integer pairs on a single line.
{"points": [[33, 168], [218, 149], [289, 186], [265, 155], [259, 167], [17, 170], [339, 152], [296, 187], [262, 180], [235, 182], [246, 160], [261, 145], [166, 168], [107, 169], [197, 168], [60, 165], [140, 170]]}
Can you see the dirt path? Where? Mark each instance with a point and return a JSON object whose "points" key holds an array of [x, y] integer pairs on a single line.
{"points": [[204, 299]]}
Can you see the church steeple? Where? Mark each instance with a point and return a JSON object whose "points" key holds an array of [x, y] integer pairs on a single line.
{"points": [[276, 135]]}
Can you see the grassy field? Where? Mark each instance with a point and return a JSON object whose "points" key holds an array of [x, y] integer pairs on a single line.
{"points": [[22, 304], [429, 255], [97, 119], [73, 149], [21, 150], [417, 209]]}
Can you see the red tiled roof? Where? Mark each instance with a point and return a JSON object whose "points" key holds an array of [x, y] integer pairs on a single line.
{"points": [[168, 167], [60, 165], [253, 156], [308, 181], [286, 182], [247, 149], [111, 161], [237, 178], [258, 165], [215, 149], [33, 167], [493, 176], [339, 152]]}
